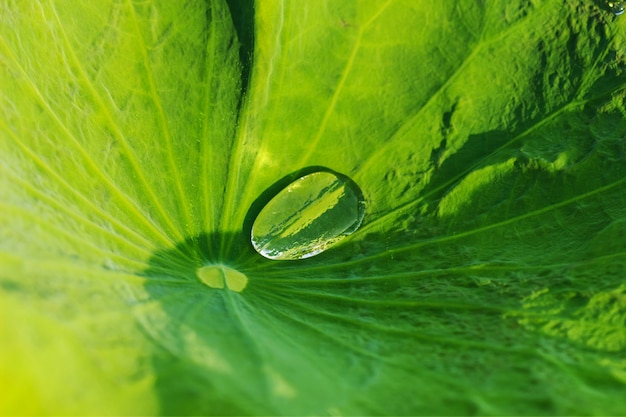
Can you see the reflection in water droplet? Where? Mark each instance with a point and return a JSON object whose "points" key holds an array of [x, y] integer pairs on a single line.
{"points": [[215, 276], [617, 7], [308, 216]]}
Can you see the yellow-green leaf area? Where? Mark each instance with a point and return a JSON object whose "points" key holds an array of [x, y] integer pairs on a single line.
{"points": [[147, 149]]}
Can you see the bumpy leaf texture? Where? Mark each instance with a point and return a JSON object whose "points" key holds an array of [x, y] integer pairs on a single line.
{"points": [[138, 139]]}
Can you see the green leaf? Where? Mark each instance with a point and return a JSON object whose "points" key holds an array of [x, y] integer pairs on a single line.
{"points": [[140, 139]]}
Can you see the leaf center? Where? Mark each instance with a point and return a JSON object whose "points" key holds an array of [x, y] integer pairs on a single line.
{"points": [[220, 276]]}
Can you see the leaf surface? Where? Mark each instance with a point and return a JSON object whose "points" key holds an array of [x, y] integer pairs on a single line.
{"points": [[139, 139]]}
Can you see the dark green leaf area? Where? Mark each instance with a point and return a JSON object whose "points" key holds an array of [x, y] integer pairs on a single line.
{"points": [[381, 321], [139, 141]]}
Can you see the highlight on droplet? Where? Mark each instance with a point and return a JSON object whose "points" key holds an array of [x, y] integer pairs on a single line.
{"points": [[308, 216], [617, 7], [220, 276]]}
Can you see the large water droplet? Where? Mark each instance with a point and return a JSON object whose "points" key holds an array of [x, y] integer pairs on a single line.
{"points": [[308, 216]]}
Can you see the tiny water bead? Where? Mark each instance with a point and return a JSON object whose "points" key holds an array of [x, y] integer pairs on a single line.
{"points": [[218, 276], [617, 7], [308, 216]]}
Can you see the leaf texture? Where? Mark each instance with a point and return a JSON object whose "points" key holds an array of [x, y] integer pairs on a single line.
{"points": [[138, 139]]}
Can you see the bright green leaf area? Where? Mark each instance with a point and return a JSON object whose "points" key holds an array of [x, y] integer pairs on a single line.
{"points": [[138, 139]]}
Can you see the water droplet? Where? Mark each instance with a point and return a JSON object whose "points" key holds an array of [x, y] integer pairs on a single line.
{"points": [[218, 276], [617, 7], [308, 216]]}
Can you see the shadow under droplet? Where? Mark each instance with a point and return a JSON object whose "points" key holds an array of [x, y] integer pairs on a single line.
{"points": [[195, 335]]}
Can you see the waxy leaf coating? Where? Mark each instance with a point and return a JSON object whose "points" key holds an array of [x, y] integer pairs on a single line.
{"points": [[487, 138]]}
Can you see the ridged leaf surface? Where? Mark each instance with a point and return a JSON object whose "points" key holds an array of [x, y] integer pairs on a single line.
{"points": [[139, 139]]}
